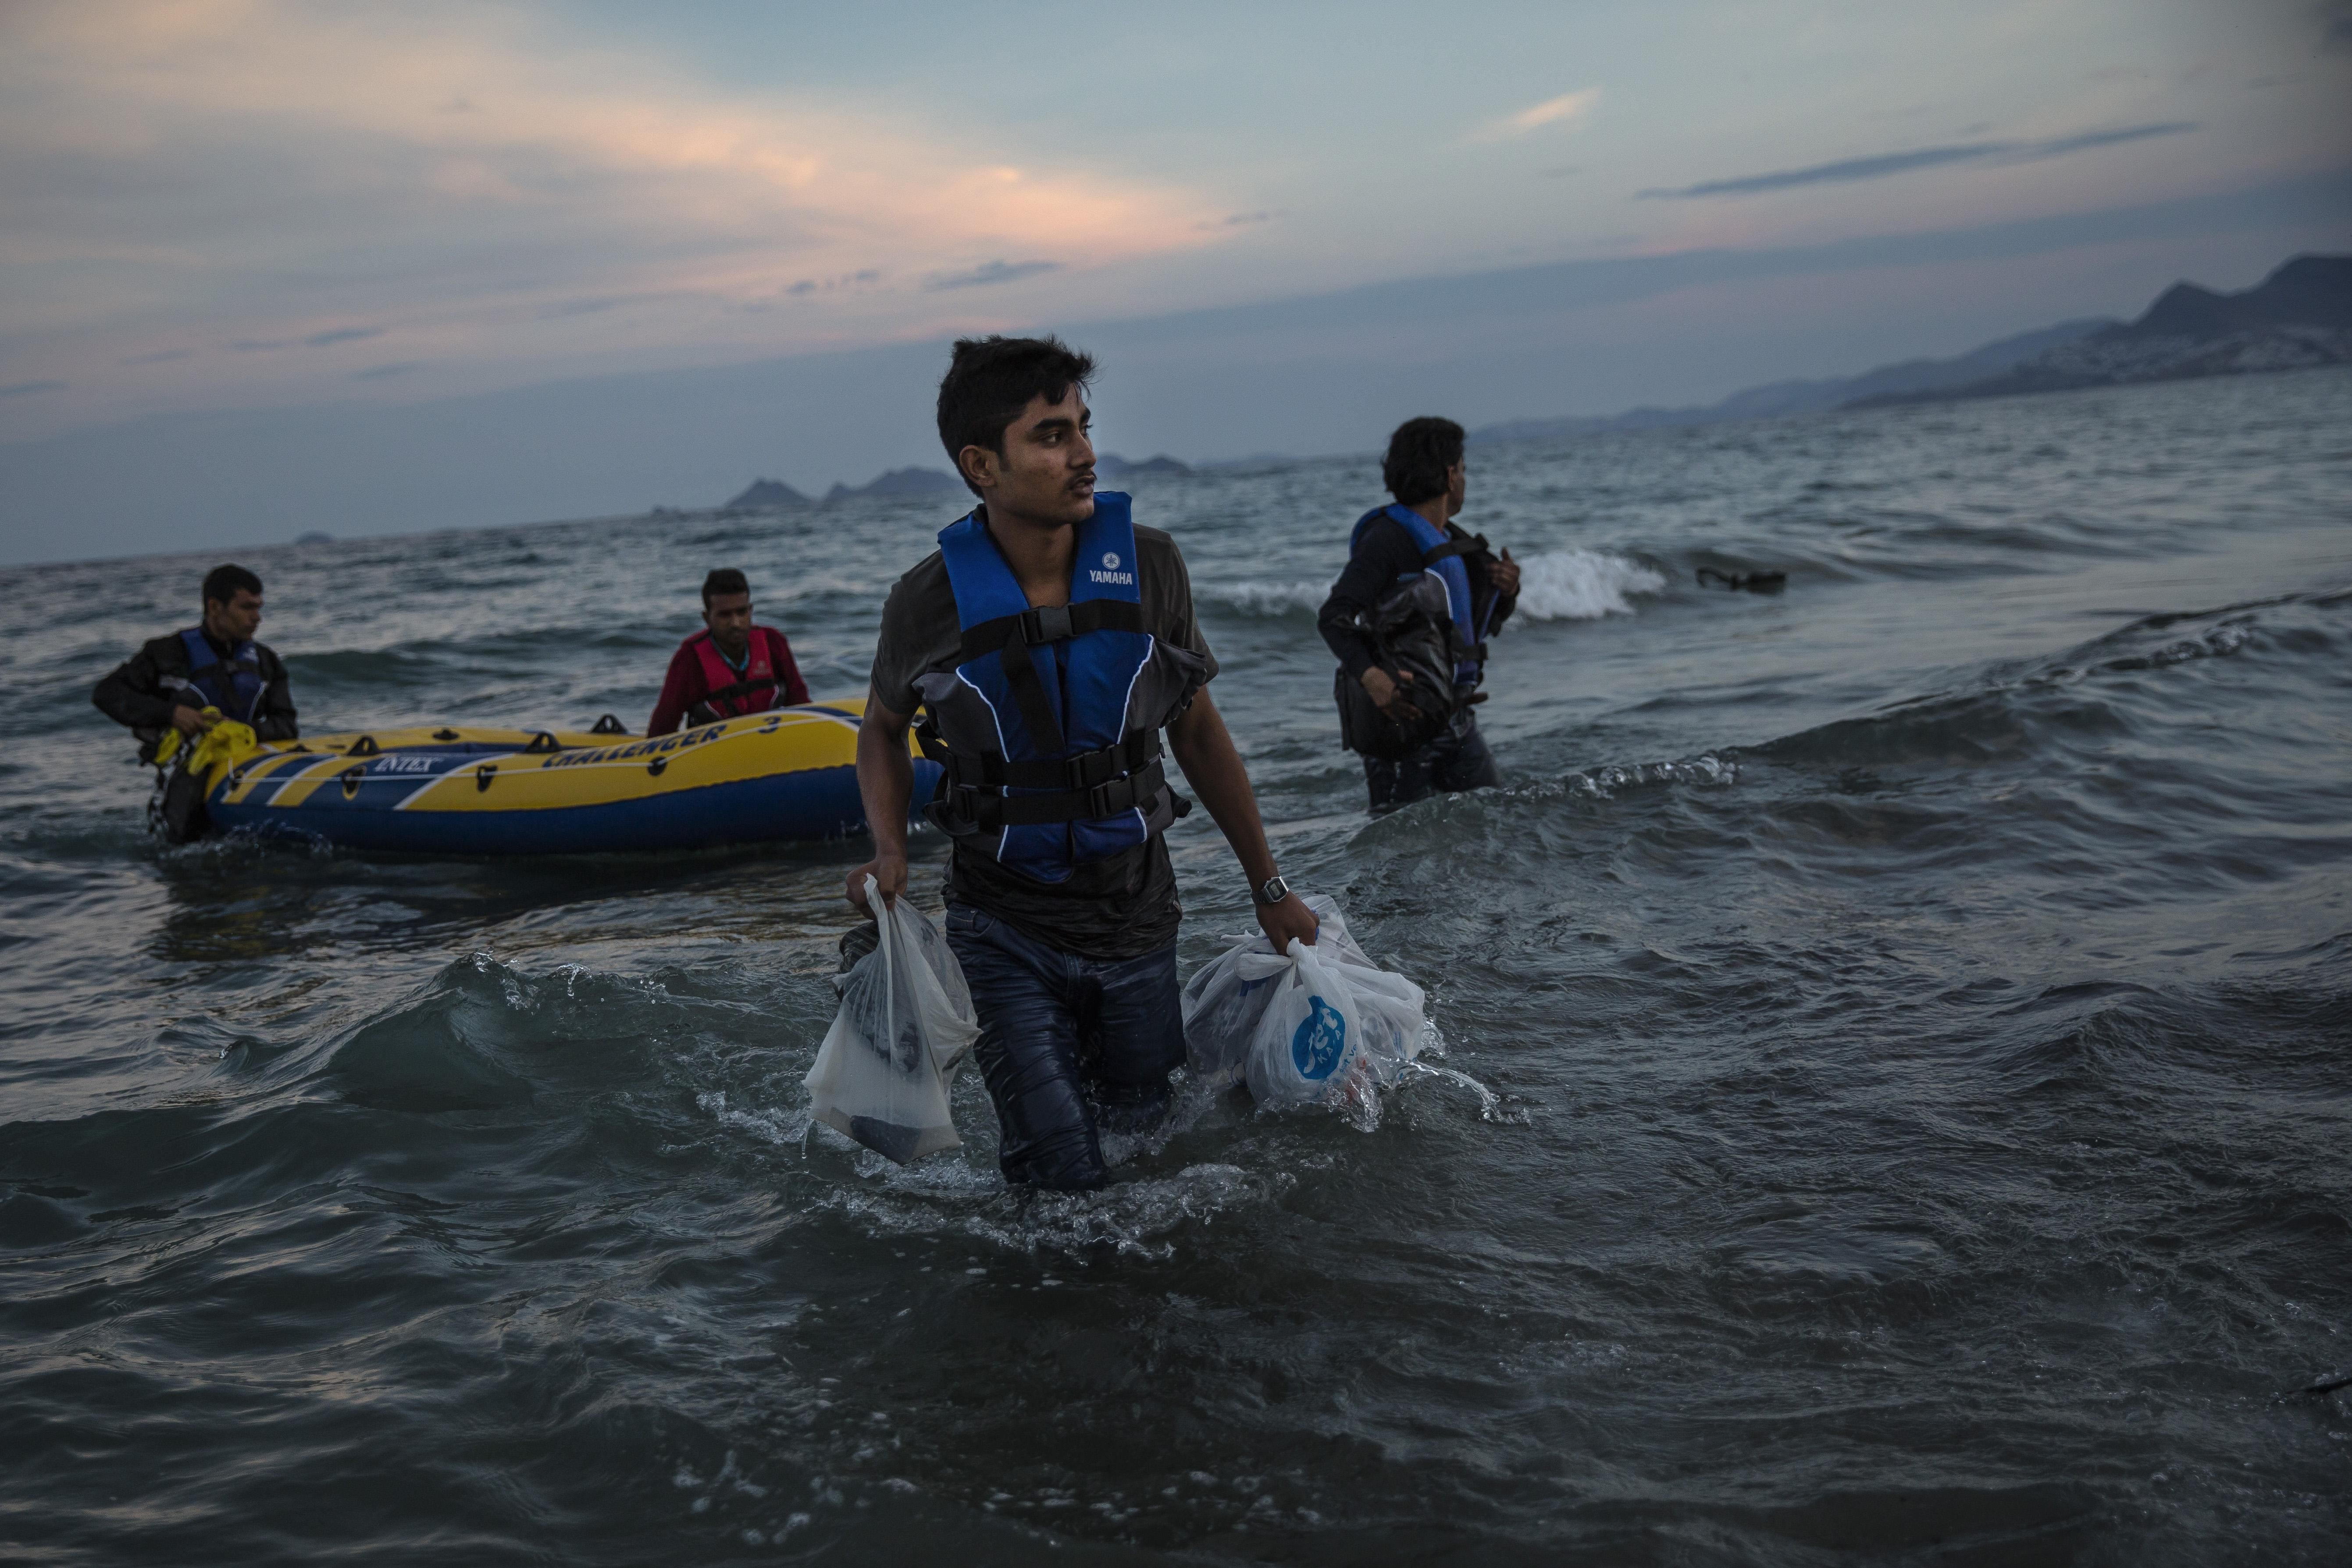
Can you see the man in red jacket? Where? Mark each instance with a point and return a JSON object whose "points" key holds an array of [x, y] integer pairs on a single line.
{"points": [[730, 668]]}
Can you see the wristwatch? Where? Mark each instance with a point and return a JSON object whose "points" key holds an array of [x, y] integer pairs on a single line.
{"points": [[1274, 890]]}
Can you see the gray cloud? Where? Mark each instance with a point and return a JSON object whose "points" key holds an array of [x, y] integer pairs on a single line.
{"points": [[343, 336], [1881, 165], [874, 274], [2063, 145], [568, 308], [386, 372], [161, 356], [987, 273], [31, 388], [1236, 220]]}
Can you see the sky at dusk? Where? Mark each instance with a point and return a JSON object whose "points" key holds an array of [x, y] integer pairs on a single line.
{"points": [[366, 268]]}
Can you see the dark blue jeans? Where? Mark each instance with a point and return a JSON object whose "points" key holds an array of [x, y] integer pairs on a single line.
{"points": [[1056, 1031], [1457, 760]]}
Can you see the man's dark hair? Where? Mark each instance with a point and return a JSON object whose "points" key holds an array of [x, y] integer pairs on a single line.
{"points": [[991, 380], [222, 582], [1419, 454], [723, 580]]}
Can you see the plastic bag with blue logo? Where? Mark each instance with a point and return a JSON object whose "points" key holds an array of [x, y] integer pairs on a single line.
{"points": [[1308, 1047], [905, 1026], [1228, 996], [1393, 1010]]}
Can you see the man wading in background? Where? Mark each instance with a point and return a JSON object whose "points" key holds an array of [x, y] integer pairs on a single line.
{"points": [[1049, 641], [190, 680], [1391, 547], [731, 667]]}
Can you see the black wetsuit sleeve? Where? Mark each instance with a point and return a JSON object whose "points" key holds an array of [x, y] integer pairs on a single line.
{"points": [[1386, 553], [134, 695], [273, 716]]}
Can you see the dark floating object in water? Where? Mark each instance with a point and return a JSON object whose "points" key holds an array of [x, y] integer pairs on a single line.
{"points": [[2329, 1381], [1754, 582]]}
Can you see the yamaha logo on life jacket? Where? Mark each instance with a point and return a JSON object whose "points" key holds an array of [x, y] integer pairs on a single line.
{"points": [[1049, 724]]}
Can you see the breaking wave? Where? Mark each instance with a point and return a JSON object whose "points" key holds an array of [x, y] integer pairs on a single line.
{"points": [[1267, 599], [1582, 585], [1559, 585]]}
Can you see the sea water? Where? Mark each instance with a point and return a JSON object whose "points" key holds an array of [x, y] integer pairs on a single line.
{"points": [[1896, 1095]]}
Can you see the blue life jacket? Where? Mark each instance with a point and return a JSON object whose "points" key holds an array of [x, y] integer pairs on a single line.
{"points": [[1049, 725], [1442, 556], [233, 685]]}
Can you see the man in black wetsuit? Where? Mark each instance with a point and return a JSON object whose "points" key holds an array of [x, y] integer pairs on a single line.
{"points": [[1425, 470], [170, 683]]}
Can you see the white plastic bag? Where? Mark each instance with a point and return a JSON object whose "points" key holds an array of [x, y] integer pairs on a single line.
{"points": [[1230, 1033], [1394, 1012], [1310, 1042], [905, 1026], [1222, 1008]]}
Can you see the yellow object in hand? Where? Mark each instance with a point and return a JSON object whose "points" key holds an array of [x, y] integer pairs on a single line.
{"points": [[168, 745], [227, 742]]}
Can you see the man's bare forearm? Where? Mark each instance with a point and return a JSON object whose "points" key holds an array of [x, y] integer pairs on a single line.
{"points": [[1204, 749], [885, 777]]}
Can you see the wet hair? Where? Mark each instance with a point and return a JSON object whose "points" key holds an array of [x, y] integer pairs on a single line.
{"points": [[991, 380], [222, 582], [723, 580], [1419, 454]]}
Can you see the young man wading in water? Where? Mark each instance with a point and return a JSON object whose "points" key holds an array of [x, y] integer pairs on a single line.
{"points": [[1393, 545], [1050, 640]]}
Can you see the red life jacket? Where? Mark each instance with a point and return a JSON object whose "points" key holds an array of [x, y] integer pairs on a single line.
{"points": [[726, 694]]}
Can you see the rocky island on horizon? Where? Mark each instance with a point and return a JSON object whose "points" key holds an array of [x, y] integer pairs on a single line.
{"points": [[2297, 318], [765, 495]]}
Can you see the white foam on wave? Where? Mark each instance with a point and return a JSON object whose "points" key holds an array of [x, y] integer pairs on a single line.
{"points": [[1558, 586], [942, 1199], [1582, 584], [1704, 772], [1267, 598]]}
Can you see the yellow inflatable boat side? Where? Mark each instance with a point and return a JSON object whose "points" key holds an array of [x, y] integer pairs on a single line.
{"points": [[784, 774]]}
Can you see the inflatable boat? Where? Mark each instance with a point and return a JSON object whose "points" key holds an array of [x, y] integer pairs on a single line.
{"points": [[784, 774]]}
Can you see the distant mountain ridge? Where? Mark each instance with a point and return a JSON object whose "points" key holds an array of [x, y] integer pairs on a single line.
{"points": [[2298, 317], [1111, 465], [774, 495], [899, 483], [766, 495], [1777, 399]]}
